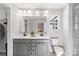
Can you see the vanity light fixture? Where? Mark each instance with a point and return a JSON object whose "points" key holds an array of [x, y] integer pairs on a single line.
{"points": [[29, 12]]}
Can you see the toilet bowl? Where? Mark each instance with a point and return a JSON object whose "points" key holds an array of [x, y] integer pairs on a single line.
{"points": [[59, 51], [57, 47]]}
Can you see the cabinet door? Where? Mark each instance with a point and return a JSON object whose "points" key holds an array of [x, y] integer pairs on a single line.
{"points": [[41, 48], [20, 48]]}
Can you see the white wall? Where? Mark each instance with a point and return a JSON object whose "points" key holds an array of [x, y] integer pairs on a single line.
{"points": [[67, 28], [59, 32]]}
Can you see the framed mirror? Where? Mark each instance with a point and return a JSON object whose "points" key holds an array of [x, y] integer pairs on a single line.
{"points": [[34, 24]]}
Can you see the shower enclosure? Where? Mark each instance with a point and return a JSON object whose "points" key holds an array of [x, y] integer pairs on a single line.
{"points": [[76, 29]]}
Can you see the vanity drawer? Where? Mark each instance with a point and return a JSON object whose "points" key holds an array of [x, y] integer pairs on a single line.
{"points": [[31, 41], [20, 40], [31, 53], [42, 41], [31, 44], [31, 48]]}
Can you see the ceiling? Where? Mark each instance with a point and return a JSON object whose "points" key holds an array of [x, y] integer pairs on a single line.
{"points": [[41, 5]]}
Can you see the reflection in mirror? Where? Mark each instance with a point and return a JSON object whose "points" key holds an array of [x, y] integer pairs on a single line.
{"points": [[40, 27], [34, 24]]}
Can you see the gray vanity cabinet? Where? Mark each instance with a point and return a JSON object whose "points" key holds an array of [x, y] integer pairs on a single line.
{"points": [[42, 47], [20, 47], [30, 47]]}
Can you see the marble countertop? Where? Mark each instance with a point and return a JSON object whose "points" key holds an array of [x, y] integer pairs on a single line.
{"points": [[28, 37]]}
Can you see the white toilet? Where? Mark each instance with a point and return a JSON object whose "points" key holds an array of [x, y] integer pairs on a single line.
{"points": [[58, 49]]}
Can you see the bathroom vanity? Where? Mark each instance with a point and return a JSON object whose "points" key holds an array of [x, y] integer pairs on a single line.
{"points": [[31, 47], [35, 43]]}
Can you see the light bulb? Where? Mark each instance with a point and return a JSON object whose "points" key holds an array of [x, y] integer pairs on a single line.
{"points": [[37, 12], [46, 13], [24, 11]]}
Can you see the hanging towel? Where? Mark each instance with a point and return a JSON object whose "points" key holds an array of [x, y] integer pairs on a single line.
{"points": [[2, 31]]}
